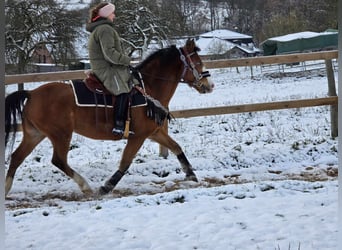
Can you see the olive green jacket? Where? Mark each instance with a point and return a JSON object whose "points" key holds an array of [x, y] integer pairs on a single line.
{"points": [[107, 58]]}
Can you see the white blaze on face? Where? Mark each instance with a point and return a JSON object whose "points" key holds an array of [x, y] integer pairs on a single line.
{"points": [[210, 81]]}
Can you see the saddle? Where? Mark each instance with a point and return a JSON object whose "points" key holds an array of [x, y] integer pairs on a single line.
{"points": [[94, 84]]}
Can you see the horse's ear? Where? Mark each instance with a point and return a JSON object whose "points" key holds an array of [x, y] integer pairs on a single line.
{"points": [[190, 44]]}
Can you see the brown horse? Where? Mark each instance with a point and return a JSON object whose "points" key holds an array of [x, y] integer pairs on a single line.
{"points": [[50, 111]]}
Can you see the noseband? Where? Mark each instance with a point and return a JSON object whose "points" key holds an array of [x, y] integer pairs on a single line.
{"points": [[189, 65]]}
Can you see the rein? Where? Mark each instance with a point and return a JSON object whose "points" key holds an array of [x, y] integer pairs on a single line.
{"points": [[188, 65]]}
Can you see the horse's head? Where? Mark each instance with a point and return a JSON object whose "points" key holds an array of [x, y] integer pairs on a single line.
{"points": [[194, 73]]}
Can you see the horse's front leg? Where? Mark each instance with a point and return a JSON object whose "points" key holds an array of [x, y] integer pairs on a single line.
{"points": [[132, 147], [165, 140]]}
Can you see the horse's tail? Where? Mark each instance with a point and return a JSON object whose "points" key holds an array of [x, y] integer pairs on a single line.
{"points": [[14, 104]]}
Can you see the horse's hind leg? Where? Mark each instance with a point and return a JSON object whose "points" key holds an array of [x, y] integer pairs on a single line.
{"points": [[61, 144], [31, 138], [165, 140], [132, 147]]}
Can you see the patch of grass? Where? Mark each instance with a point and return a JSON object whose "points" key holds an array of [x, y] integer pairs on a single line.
{"points": [[180, 199], [73, 146], [289, 248]]}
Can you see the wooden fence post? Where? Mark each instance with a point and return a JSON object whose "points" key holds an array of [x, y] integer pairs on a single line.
{"points": [[20, 86], [332, 92]]}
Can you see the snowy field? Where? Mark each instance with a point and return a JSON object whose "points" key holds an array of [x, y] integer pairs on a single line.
{"points": [[267, 180]]}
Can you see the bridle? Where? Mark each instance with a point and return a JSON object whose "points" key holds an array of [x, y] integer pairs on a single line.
{"points": [[185, 57], [188, 64]]}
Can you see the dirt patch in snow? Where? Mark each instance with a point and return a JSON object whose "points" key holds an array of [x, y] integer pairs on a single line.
{"points": [[31, 200]]}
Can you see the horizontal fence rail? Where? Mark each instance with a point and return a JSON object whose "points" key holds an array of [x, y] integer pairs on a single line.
{"points": [[45, 77], [303, 103], [250, 61], [253, 107], [279, 59]]}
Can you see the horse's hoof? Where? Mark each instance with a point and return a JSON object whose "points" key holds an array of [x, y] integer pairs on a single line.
{"points": [[88, 192], [102, 191], [191, 178]]}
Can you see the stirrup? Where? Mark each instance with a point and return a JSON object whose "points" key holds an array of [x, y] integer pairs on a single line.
{"points": [[117, 131], [123, 129]]}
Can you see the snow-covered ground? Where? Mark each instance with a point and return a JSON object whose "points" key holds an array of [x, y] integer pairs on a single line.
{"points": [[267, 180]]}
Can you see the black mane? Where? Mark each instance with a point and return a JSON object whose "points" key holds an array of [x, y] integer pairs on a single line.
{"points": [[165, 55]]}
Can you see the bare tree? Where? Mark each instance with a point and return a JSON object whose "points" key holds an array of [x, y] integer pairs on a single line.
{"points": [[141, 22], [170, 13], [139, 26], [267, 18], [32, 23]]}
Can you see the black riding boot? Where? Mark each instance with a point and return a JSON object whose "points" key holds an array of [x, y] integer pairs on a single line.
{"points": [[120, 108]]}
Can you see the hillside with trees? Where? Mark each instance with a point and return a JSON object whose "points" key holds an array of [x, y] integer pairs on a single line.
{"points": [[58, 24], [259, 18]]}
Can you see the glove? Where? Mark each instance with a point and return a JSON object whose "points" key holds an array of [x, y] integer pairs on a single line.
{"points": [[131, 68]]}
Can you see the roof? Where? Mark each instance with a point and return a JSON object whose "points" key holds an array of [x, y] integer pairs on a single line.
{"points": [[225, 34], [294, 36], [217, 46], [213, 46]]}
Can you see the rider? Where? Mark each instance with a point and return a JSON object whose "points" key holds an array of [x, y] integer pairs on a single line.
{"points": [[108, 61]]}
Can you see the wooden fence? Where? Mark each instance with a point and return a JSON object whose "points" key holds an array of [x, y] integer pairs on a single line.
{"points": [[250, 61], [327, 56]]}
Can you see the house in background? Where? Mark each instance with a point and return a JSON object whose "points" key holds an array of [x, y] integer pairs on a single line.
{"points": [[224, 44], [42, 60], [230, 36], [41, 55]]}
